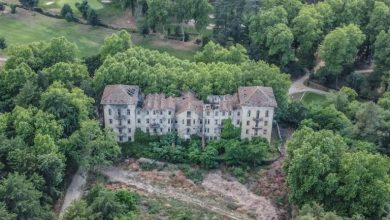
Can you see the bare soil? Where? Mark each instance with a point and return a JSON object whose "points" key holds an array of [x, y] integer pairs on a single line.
{"points": [[218, 194]]}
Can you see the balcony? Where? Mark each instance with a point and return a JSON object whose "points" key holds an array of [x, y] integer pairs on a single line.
{"points": [[120, 126], [154, 125], [119, 117]]}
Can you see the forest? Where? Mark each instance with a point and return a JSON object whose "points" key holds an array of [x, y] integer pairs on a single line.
{"points": [[336, 163]]}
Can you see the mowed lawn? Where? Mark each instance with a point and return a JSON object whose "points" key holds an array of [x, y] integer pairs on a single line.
{"points": [[26, 27]]}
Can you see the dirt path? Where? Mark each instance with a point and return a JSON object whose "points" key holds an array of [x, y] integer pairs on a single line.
{"points": [[298, 86], [227, 198], [75, 190]]}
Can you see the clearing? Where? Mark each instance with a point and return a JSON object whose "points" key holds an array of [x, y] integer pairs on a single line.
{"points": [[26, 27], [219, 193]]}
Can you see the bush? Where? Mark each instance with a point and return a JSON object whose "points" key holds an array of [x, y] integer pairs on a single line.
{"points": [[66, 9], [2, 6], [3, 44], [13, 9], [241, 174], [186, 37], [149, 166]]}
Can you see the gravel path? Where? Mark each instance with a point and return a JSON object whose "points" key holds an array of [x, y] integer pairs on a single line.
{"points": [[75, 190]]}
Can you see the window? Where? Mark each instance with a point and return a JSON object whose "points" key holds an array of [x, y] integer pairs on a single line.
{"points": [[248, 122], [161, 112], [128, 111], [188, 114], [169, 113], [147, 130], [216, 122], [266, 113], [208, 121], [120, 130], [154, 112], [230, 113], [109, 111], [216, 113], [147, 112], [247, 131], [257, 114], [200, 121], [160, 121], [169, 121], [188, 131], [110, 121], [182, 122], [147, 121], [139, 121], [194, 122], [266, 123], [208, 113], [256, 133], [129, 130], [223, 113], [238, 113], [265, 131], [160, 129], [129, 138], [238, 122], [188, 122], [120, 139], [119, 112], [139, 112], [249, 113], [128, 121]]}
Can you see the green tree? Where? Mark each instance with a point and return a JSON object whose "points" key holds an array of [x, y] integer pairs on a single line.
{"points": [[291, 6], [5, 214], [70, 74], [78, 210], [307, 29], [315, 211], [248, 153], [384, 101], [311, 166], [370, 124], [115, 43], [379, 20], [158, 12], [340, 47], [213, 52], [90, 146], [66, 9], [279, 41], [83, 7], [382, 57], [364, 184], [29, 3], [3, 43], [59, 50], [92, 17], [22, 198], [70, 107], [229, 131], [105, 204]]}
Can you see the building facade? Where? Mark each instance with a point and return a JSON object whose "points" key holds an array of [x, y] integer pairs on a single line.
{"points": [[125, 109]]}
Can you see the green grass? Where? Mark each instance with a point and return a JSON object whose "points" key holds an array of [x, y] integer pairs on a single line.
{"points": [[57, 4], [26, 27], [310, 97]]}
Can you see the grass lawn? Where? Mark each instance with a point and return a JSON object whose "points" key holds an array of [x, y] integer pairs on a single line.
{"points": [[310, 97], [26, 27]]}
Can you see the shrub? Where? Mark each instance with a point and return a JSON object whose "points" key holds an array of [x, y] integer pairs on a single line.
{"points": [[2, 6], [3, 44], [241, 174], [13, 9]]}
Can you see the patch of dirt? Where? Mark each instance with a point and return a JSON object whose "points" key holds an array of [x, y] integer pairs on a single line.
{"points": [[218, 194], [127, 20]]}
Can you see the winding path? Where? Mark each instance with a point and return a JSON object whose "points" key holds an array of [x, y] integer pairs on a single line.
{"points": [[75, 190], [298, 86]]}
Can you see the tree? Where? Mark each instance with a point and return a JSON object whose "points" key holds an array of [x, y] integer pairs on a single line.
{"points": [[369, 122], [3, 44], [311, 166], [379, 20], [279, 41], [59, 50], [384, 101], [2, 7], [29, 3], [291, 6], [364, 184], [213, 52], [158, 12], [340, 47], [315, 211], [5, 215], [307, 28], [115, 43], [65, 10], [90, 147], [382, 57], [22, 198], [70, 107], [13, 9], [92, 17], [229, 131], [77, 210], [202, 9], [83, 7], [70, 74], [248, 153], [105, 204]]}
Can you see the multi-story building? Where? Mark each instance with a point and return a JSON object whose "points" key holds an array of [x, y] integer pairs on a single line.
{"points": [[125, 109]]}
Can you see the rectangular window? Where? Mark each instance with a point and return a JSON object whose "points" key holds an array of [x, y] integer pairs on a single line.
{"points": [[208, 113], [154, 112], [223, 113], [169, 113], [266, 123], [160, 121], [109, 111], [128, 121], [147, 121], [128, 111], [216, 113], [188, 122], [230, 113], [120, 139], [161, 112], [248, 122], [238, 122], [188, 114], [139, 121], [265, 131], [129, 130], [110, 121], [182, 122], [247, 131], [119, 112], [266, 113], [238, 113], [120, 130], [249, 113], [194, 122], [216, 122]]}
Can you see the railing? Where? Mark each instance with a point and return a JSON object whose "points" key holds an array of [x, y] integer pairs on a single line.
{"points": [[119, 117]]}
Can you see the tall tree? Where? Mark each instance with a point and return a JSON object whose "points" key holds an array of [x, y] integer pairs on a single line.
{"points": [[279, 41], [115, 43], [158, 12], [382, 57]]}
